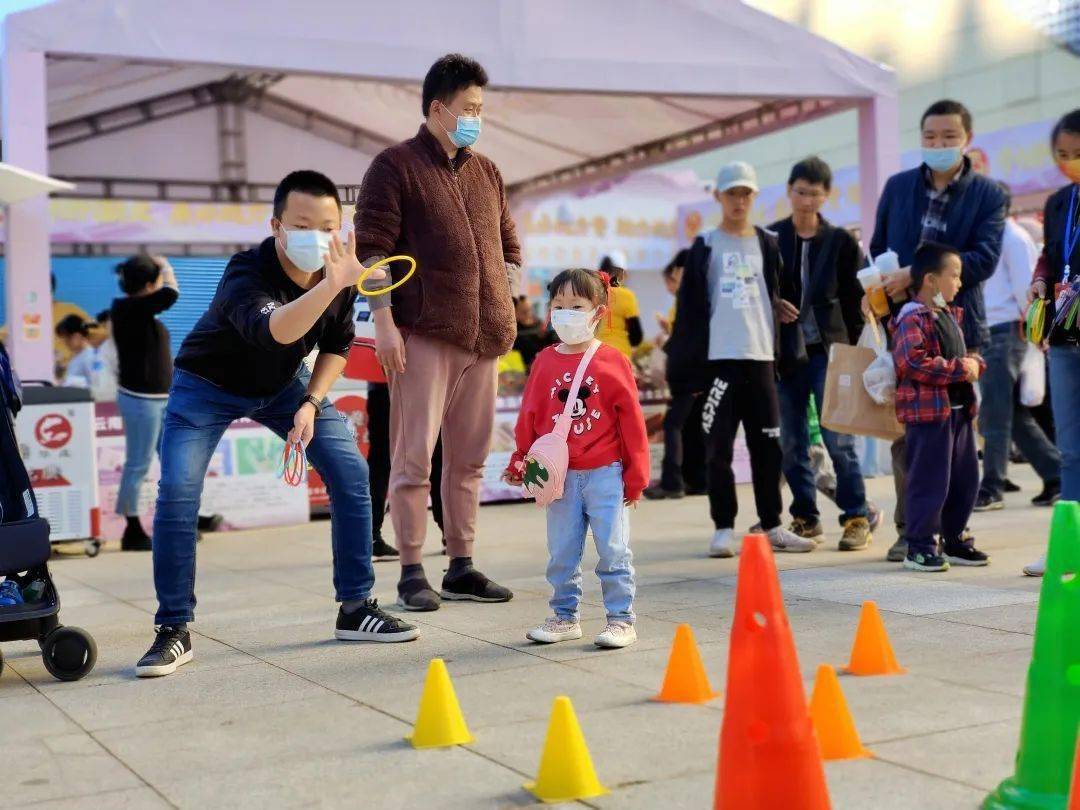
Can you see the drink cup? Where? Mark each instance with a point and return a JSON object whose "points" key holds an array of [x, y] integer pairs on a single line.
{"points": [[870, 279]]}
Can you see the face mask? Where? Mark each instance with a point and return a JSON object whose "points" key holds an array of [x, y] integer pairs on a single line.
{"points": [[1070, 168], [573, 326], [465, 133], [940, 160], [306, 249], [939, 300]]}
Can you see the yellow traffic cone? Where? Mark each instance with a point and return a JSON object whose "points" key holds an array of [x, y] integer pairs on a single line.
{"points": [[439, 721], [566, 769]]}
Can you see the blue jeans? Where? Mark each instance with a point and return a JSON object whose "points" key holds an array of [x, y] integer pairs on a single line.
{"points": [[795, 392], [1000, 420], [142, 433], [197, 415], [591, 498], [1064, 399]]}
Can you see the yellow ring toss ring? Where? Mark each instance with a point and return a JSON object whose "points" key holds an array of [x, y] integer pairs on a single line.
{"points": [[382, 263]]}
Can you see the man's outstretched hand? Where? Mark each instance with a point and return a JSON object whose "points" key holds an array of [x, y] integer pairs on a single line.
{"points": [[341, 266]]}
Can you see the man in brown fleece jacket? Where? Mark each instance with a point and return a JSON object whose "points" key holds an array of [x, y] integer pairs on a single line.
{"points": [[439, 336]]}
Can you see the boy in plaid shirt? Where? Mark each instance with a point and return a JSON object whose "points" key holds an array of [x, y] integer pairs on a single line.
{"points": [[935, 399]]}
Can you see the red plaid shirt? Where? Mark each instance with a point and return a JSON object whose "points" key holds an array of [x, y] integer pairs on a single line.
{"points": [[923, 376]]}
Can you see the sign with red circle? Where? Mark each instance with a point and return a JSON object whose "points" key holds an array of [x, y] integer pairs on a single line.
{"points": [[53, 431]]}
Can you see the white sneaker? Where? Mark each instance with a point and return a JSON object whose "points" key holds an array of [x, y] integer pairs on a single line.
{"points": [[1037, 568], [617, 634], [554, 630], [783, 540], [723, 543]]}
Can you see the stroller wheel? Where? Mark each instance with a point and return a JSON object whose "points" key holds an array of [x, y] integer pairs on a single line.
{"points": [[92, 548], [69, 653]]}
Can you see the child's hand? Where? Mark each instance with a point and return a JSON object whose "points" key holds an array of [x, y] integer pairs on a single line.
{"points": [[971, 368], [631, 504], [514, 475]]}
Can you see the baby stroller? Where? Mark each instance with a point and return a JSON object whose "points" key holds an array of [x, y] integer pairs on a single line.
{"points": [[69, 653]]}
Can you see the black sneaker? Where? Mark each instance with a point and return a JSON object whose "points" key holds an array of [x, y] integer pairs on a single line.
{"points": [[417, 594], [372, 623], [210, 523], [925, 561], [1009, 486], [474, 587], [135, 539], [989, 503], [963, 552], [1051, 494], [658, 493], [381, 550], [694, 492], [897, 551], [171, 649]]}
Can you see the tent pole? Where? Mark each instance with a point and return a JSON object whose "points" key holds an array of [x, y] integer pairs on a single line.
{"points": [[27, 289], [879, 155]]}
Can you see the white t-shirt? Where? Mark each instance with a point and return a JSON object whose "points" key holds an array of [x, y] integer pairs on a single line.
{"points": [[1005, 292], [741, 325]]}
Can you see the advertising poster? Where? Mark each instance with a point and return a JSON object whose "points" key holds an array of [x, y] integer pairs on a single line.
{"points": [[56, 442], [242, 482]]}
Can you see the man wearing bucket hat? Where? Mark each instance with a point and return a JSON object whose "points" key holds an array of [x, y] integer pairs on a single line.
{"points": [[724, 343]]}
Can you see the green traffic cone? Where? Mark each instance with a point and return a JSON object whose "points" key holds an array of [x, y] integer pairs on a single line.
{"points": [[1052, 699]]}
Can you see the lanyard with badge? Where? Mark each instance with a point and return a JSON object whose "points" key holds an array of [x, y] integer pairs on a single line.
{"points": [[1066, 294]]}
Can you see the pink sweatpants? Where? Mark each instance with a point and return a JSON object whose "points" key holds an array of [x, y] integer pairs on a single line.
{"points": [[449, 388]]}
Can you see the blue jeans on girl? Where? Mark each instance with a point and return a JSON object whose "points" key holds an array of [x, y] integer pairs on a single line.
{"points": [[197, 416], [591, 498], [142, 432]]}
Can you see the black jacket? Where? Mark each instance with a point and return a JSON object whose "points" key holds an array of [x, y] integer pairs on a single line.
{"points": [[835, 292], [1051, 266], [688, 347]]}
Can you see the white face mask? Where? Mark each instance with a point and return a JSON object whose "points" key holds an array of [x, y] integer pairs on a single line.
{"points": [[306, 248], [939, 300], [573, 326]]}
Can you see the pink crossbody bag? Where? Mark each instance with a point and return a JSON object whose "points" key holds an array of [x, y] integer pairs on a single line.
{"points": [[548, 459]]}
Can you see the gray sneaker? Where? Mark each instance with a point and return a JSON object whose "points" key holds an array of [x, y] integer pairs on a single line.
{"points": [[898, 550], [554, 630], [783, 540]]}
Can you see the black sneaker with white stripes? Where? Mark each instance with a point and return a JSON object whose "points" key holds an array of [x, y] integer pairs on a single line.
{"points": [[171, 649], [372, 623]]}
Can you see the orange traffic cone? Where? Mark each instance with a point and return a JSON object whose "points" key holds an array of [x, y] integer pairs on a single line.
{"points": [[1074, 789], [768, 755], [872, 654], [685, 680], [835, 729]]}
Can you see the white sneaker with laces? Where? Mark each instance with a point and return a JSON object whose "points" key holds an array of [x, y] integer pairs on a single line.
{"points": [[554, 630], [723, 543], [783, 540], [616, 635], [1037, 568]]}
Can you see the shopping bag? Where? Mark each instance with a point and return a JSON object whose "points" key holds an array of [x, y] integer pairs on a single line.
{"points": [[880, 376], [1032, 377], [848, 407]]}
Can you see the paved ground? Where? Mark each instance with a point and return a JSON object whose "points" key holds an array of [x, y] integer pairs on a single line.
{"points": [[273, 714]]}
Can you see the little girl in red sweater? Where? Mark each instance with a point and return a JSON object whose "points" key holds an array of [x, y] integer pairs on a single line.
{"points": [[609, 460]]}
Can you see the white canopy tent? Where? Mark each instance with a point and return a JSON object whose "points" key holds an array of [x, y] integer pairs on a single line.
{"points": [[580, 91]]}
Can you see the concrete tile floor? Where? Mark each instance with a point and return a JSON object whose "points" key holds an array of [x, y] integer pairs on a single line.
{"points": [[275, 714]]}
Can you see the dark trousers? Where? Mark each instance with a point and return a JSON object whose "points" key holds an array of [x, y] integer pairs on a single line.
{"points": [[795, 392], [742, 392], [684, 444], [1001, 421], [378, 411], [942, 480], [899, 477]]}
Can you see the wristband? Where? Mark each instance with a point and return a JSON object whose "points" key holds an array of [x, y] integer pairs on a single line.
{"points": [[315, 403]]}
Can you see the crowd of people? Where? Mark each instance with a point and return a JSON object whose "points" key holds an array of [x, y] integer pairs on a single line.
{"points": [[747, 345]]}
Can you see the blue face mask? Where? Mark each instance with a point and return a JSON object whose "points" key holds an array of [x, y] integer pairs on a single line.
{"points": [[943, 159], [465, 133]]}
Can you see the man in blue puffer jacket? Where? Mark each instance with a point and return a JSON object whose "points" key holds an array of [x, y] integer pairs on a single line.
{"points": [[943, 200]]}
